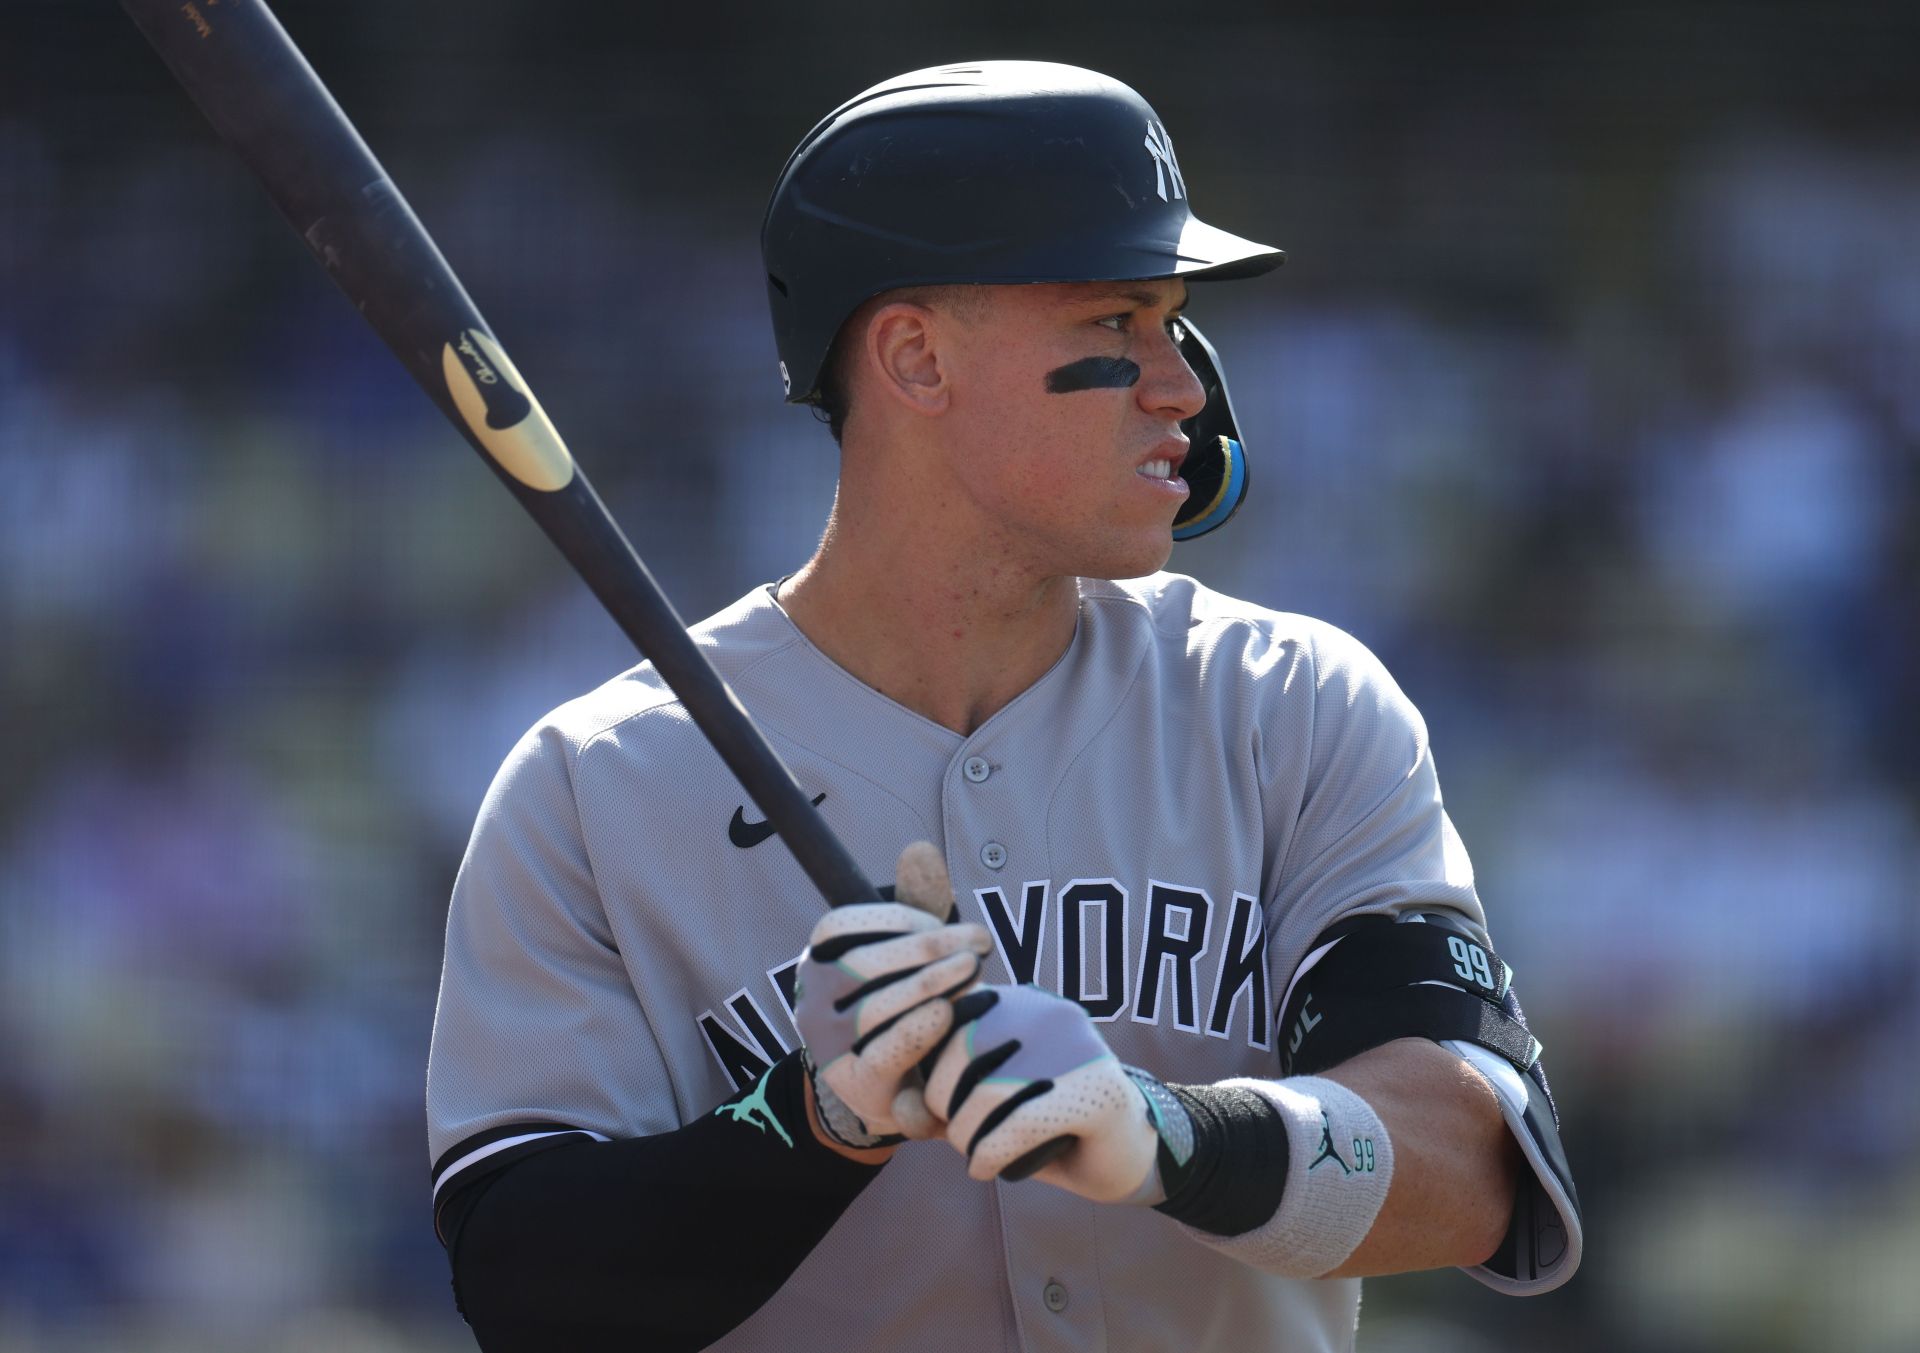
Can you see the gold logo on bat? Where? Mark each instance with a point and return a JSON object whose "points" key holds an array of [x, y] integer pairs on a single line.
{"points": [[503, 414]]}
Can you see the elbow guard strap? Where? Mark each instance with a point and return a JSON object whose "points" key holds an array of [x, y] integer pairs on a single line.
{"points": [[1371, 980]]}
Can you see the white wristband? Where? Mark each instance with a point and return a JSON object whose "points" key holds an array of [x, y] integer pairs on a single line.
{"points": [[1339, 1164]]}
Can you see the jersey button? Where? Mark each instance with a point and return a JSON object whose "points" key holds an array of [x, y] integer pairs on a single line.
{"points": [[993, 855], [976, 769], [1055, 1295]]}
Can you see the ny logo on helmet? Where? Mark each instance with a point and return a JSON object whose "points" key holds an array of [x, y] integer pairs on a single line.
{"points": [[1166, 169]]}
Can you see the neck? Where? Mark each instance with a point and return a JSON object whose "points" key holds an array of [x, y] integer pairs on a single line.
{"points": [[952, 633]]}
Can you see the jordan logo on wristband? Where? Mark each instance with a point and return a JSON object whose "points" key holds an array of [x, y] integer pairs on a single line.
{"points": [[1362, 1149]]}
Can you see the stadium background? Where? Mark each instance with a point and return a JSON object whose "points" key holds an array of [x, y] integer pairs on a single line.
{"points": [[1588, 398]]}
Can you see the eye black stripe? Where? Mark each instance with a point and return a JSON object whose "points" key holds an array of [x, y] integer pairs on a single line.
{"points": [[1093, 373]]}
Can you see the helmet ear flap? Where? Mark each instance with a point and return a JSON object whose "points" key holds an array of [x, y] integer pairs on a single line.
{"points": [[1216, 465], [1216, 482]]}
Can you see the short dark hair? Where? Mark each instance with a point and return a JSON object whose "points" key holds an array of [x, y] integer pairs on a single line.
{"points": [[831, 403]]}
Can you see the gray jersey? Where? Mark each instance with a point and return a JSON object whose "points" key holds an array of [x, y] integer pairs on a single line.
{"points": [[1157, 828]]}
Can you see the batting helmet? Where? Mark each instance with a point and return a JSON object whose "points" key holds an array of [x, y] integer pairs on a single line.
{"points": [[996, 171]]}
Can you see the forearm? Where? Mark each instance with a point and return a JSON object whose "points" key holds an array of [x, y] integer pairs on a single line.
{"points": [[1397, 1159], [1455, 1162], [664, 1242]]}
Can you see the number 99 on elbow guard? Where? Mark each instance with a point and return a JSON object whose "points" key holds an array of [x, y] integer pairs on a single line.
{"points": [[1470, 961]]}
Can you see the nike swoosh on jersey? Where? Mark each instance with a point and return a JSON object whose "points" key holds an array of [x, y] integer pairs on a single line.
{"points": [[746, 835]]}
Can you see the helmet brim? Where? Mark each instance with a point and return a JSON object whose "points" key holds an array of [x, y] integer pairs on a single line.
{"points": [[1206, 251]]}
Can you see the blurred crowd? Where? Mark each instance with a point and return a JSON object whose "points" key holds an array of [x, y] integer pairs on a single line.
{"points": [[1605, 442]]}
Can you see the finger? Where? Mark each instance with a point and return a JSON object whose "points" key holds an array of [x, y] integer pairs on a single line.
{"points": [[846, 928], [905, 954], [931, 983], [985, 1100], [1113, 1153], [1003, 1134], [958, 1054], [897, 955], [869, 1080], [1034, 1164], [912, 1116], [894, 1053], [920, 880], [1115, 1168]]}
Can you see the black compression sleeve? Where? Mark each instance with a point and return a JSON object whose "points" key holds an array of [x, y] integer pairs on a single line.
{"points": [[663, 1242]]}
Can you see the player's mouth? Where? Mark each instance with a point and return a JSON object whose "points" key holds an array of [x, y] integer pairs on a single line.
{"points": [[1165, 469]]}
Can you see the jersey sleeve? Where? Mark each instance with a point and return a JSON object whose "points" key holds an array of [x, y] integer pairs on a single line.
{"points": [[1365, 828], [539, 1037]]}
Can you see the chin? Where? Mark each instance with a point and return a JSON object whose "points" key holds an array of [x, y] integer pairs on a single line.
{"points": [[1138, 562]]}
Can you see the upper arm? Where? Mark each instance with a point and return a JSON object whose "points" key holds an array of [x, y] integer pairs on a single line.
{"points": [[1363, 821], [538, 1028]]}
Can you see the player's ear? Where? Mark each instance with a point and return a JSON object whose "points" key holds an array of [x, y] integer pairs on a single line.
{"points": [[905, 357]]}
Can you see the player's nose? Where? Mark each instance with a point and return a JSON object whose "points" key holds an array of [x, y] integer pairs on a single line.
{"points": [[1168, 385]]}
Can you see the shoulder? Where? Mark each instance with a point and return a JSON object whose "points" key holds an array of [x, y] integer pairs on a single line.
{"points": [[1286, 671], [1184, 614]]}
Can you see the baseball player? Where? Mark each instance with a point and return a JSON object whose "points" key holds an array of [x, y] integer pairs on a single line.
{"points": [[1181, 1014]]}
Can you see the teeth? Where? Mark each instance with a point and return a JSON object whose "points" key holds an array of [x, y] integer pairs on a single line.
{"points": [[1156, 469]]}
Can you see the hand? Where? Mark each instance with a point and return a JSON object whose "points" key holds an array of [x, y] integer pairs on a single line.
{"points": [[871, 1000], [1026, 1067]]}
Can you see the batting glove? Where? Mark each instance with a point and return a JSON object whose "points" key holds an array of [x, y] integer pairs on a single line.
{"points": [[1027, 1077], [872, 999]]}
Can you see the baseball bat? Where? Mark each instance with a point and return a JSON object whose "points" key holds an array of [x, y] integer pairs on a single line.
{"points": [[263, 98]]}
